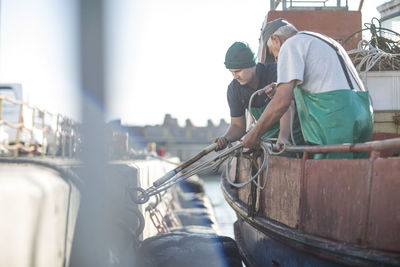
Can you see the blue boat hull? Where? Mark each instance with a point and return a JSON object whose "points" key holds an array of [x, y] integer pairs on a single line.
{"points": [[258, 249]]}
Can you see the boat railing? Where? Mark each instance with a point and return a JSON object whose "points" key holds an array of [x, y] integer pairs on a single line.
{"points": [[31, 136], [309, 4], [392, 144]]}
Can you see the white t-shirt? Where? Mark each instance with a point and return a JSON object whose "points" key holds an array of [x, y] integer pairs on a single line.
{"points": [[314, 64]]}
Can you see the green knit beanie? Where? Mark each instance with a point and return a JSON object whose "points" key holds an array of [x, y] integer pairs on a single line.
{"points": [[239, 56]]}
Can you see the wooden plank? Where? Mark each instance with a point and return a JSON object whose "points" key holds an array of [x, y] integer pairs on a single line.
{"points": [[244, 176], [280, 200]]}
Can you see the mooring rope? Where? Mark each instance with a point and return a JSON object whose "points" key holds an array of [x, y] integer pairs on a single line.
{"points": [[266, 147], [253, 178]]}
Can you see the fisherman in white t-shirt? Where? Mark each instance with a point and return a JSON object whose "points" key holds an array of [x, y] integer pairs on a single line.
{"points": [[317, 73]]}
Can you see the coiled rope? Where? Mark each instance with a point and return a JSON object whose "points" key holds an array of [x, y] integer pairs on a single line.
{"points": [[266, 147], [381, 53], [367, 57]]}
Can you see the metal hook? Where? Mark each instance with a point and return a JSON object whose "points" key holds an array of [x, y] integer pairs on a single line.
{"points": [[139, 198]]}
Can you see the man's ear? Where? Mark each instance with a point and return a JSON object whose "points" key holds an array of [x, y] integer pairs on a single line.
{"points": [[275, 38]]}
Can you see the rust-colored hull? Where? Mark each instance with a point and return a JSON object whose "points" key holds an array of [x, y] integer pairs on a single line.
{"points": [[346, 23], [349, 205]]}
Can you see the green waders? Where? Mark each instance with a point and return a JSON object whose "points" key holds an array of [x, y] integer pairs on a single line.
{"points": [[335, 117], [274, 130]]}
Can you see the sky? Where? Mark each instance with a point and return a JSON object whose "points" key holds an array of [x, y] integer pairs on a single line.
{"points": [[161, 57]]}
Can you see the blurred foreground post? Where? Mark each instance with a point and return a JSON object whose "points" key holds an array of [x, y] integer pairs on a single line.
{"points": [[90, 242]]}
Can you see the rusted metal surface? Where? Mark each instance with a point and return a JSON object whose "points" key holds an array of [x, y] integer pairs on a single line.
{"points": [[304, 243], [356, 201], [383, 230], [336, 196], [383, 136], [346, 23], [302, 183], [281, 199]]}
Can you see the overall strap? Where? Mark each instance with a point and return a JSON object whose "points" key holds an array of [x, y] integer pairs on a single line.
{"points": [[346, 73]]}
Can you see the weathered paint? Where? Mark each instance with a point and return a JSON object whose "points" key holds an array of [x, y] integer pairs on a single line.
{"points": [[346, 23], [280, 200], [265, 242], [383, 230], [243, 176], [336, 201]]}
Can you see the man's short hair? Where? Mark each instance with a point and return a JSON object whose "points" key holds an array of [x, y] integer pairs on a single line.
{"points": [[279, 27], [283, 31]]}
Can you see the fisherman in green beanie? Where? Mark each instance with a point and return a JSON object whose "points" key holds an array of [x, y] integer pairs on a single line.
{"points": [[248, 77], [239, 56]]}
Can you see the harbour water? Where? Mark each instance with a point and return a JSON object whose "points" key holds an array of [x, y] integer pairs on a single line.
{"points": [[225, 216]]}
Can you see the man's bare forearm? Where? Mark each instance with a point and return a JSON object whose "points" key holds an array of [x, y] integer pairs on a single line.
{"points": [[272, 114], [277, 108], [234, 133], [285, 122]]}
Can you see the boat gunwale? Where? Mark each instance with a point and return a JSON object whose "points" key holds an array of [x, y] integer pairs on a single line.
{"points": [[339, 252], [379, 145]]}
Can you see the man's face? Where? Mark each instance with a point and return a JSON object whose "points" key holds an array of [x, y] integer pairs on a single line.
{"points": [[274, 45], [244, 76]]}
